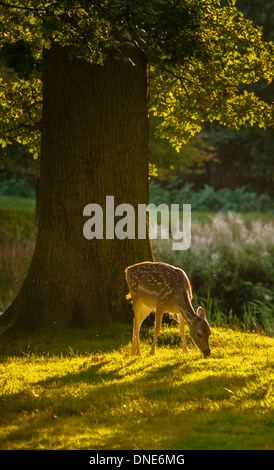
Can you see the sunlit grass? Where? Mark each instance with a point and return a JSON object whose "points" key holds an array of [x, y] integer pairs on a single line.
{"points": [[86, 395], [84, 390]]}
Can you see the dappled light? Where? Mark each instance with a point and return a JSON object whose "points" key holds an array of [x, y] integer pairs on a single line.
{"points": [[74, 402], [136, 189]]}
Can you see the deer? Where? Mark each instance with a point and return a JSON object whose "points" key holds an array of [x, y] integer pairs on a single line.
{"points": [[163, 288]]}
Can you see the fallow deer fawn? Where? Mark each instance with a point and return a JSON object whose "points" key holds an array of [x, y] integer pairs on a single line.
{"points": [[165, 289]]}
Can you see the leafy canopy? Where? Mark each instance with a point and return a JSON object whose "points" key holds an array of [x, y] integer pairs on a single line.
{"points": [[203, 56]]}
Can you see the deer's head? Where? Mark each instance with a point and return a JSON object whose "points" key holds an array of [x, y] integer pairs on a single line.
{"points": [[199, 330]]}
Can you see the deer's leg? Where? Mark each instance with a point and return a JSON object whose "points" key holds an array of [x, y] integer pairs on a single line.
{"points": [[141, 311], [158, 320], [134, 342], [182, 330]]}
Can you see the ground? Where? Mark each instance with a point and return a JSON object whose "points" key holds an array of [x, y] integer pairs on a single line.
{"points": [[84, 391]]}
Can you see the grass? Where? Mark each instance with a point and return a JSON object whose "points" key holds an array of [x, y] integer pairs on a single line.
{"points": [[84, 391], [205, 218], [17, 219], [231, 267], [17, 239], [12, 203]]}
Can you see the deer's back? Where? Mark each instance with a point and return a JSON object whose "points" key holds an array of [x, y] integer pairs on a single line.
{"points": [[162, 280]]}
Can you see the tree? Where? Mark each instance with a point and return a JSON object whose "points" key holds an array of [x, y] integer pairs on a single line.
{"points": [[250, 150], [93, 63], [244, 156]]}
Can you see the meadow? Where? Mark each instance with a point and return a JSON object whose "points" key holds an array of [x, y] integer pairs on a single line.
{"points": [[83, 390]]}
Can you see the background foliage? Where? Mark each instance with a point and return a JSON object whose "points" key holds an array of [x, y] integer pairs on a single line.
{"points": [[199, 54], [219, 156], [210, 200], [209, 67]]}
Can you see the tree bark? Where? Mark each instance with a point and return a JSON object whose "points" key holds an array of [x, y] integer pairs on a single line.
{"points": [[94, 144]]}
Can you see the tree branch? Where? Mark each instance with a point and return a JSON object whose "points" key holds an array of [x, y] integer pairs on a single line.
{"points": [[17, 7], [181, 79]]}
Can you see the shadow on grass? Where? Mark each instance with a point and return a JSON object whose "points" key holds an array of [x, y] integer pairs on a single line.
{"points": [[67, 343], [131, 405], [116, 401]]}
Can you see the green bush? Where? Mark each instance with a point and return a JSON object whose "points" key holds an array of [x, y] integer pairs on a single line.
{"points": [[231, 267], [16, 187], [210, 200]]}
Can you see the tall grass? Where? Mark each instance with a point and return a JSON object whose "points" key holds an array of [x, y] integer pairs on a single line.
{"points": [[230, 262], [17, 239], [14, 262], [231, 266]]}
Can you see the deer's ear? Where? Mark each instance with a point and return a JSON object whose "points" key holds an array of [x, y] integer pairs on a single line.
{"points": [[201, 313], [189, 317]]}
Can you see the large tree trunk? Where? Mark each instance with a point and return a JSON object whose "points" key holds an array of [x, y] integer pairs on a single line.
{"points": [[94, 144]]}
